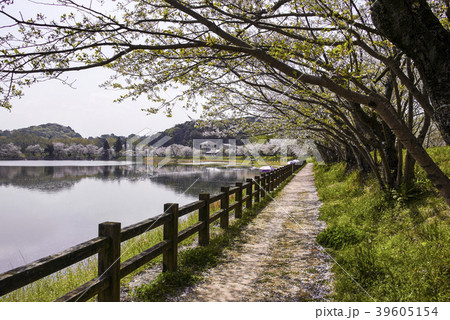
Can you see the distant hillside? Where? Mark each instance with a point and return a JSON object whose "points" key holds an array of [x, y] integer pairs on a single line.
{"points": [[49, 131], [185, 133]]}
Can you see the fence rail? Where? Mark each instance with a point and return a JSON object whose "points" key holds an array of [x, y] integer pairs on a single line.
{"points": [[107, 245]]}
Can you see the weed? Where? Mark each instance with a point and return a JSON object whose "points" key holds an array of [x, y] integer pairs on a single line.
{"points": [[389, 249], [339, 237]]}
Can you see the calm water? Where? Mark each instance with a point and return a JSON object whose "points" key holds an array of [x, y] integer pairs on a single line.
{"points": [[46, 207]]}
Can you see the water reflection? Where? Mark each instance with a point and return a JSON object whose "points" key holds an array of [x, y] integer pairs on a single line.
{"points": [[50, 208], [179, 178]]}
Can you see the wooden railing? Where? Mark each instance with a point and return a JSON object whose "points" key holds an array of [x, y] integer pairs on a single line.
{"points": [[110, 236]]}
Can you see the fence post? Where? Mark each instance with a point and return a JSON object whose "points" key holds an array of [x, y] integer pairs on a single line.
{"points": [[277, 178], [203, 216], [274, 179], [238, 210], [263, 185], [109, 261], [258, 188], [248, 204], [224, 204], [171, 234], [271, 180]]}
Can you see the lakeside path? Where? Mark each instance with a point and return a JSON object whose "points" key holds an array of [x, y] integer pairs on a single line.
{"points": [[277, 258]]}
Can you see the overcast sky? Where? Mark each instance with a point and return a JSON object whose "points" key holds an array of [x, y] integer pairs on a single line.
{"points": [[88, 109]]}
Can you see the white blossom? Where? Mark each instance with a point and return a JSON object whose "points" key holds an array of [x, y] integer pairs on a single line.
{"points": [[10, 152]]}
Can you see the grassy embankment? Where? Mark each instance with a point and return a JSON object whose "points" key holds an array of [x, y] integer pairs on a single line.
{"points": [[192, 261], [240, 161], [394, 245]]}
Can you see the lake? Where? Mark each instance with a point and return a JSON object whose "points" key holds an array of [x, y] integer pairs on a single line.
{"points": [[49, 206]]}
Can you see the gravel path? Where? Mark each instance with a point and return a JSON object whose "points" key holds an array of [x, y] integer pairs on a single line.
{"points": [[278, 259]]}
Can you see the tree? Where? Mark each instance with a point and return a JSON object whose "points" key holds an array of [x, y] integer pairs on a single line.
{"points": [[34, 150], [92, 151], [413, 28], [50, 151], [76, 151], [118, 145], [160, 151], [105, 151], [186, 152], [175, 150], [325, 48], [10, 152], [59, 150]]}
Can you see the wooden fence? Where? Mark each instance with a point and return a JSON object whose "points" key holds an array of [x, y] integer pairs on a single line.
{"points": [[110, 236]]}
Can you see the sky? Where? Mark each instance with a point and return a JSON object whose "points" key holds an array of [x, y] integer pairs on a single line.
{"points": [[88, 109]]}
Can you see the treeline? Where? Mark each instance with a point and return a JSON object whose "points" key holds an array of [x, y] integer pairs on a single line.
{"points": [[63, 151], [53, 141], [118, 150]]}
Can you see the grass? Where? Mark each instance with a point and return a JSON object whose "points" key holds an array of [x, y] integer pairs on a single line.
{"points": [[241, 161], [393, 246]]}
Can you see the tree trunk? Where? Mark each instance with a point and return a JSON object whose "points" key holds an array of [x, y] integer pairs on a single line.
{"points": [[399, 164], [409, 161], [372, 165], [412, 27], [414, 146]]}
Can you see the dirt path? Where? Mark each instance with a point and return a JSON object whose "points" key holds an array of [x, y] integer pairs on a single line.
{"points": [[277, 259]]}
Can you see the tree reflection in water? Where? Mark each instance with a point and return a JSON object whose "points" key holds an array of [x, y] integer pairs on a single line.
{"points": [[179, 178]]}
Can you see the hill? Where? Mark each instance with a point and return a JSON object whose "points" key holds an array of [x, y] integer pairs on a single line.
{"points": [[185, 133], [49, 131]]}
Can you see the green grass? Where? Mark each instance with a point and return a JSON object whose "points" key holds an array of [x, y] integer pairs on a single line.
{"points": [[221, 161], [393, 246]]}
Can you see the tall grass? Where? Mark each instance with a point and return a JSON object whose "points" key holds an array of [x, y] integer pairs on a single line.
{"points": [[387, 247]]}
